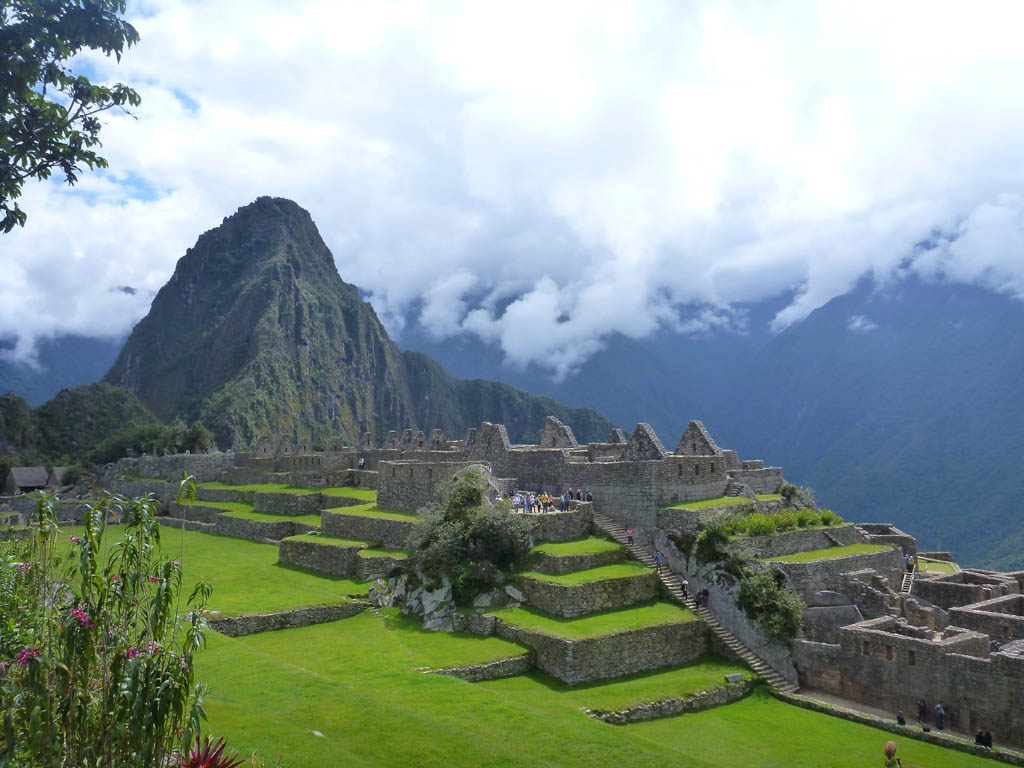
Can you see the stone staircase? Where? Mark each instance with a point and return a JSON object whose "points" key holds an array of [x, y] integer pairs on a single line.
{"points": [[675, 590], [733, 488]]}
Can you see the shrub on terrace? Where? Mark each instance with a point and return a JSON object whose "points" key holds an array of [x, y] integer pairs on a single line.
{"points": [[97, 644], [475, 546], [711, 543], [774, 608], [789, 492], [828, 517]]}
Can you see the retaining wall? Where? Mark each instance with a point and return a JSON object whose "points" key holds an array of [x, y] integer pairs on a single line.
{"points": [[237, 626], [559, 564], [391, 533], [575, 600]]}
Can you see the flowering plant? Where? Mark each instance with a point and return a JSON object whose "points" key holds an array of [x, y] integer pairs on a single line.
{"points": [[97, 642]]}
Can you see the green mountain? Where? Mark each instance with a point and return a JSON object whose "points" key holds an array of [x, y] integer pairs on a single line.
{"points": [[257, 334], [65, 428]]}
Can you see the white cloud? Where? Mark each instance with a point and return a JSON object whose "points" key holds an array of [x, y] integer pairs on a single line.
{"points": [[543, 175], [861, 324]]}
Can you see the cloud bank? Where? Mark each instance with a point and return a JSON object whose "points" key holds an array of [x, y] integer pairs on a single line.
{"points": [[542, 175]]}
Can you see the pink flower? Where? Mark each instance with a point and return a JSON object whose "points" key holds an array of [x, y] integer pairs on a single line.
{"points": [[131, 653], [155, 579], [115, 579], [110, 633], [176, 563], [75, 540], [26, 655], [22, 566], [152, 648], [82, 616]]}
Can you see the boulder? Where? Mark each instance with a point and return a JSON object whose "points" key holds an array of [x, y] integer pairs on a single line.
{"points": [[515, 594], [489, 599]]}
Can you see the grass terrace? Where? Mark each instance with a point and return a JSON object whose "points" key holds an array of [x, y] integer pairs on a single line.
{"points": [[705, 674], [379, 552], [352, 493], [830, 553], [721, 501], [358, 683], [625, 570], [367, 494], [245, 575], [596, 624], [329, 541], [769, 496], [372, 510], [266, 517], [227, 506], [591, 545], [936, 566]]}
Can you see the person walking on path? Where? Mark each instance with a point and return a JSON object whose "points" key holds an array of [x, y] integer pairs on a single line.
{"points": [[629, 535], [685, 585], [940, 716], [922, 712], [657, 562]]}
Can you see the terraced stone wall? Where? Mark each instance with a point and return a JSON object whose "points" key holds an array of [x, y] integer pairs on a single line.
{"points": [[258, 530], [807, 578], [322, 558], [964, 588], [791, 542], [576, 600], [205, 466], [237, 626], [408, 486], [564, 526], [580, 661], [558, 564], [288, 503], [766, 480], [1001, 618], [391, 533]]}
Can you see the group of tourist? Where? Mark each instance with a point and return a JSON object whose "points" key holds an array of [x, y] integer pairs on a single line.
{"points": [[540, 503], [982, 739]]}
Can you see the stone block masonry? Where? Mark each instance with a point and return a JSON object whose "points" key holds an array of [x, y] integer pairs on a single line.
{"points": [[564, 526], [791, 542], [818, 575], [322, 557], [639, 650], [492, 670], [571, 601], [558, 564], [259, 530], [654, 710], [389, 532], [238, 626], [288, 503]]}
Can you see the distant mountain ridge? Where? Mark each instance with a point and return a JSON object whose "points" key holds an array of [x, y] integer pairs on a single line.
{"points": [[257, 334]]}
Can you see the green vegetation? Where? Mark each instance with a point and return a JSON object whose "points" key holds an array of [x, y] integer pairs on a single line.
{"points": [[595, 624], [357, 682], [757, 524], [776, 609], [227, 506], [591, 545], [710, 544], [830, 553], [936, 566], [268, 517], [372, 510], [329, 541], [769, 496], [721, 501], [382, 552], [245, 575], [367, 494], [624, 570]]}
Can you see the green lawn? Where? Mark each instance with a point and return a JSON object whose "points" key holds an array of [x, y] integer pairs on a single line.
{"points": [[596, 624], [830, 553], [769, 496], [271, 518], [227, 506], [358, 683], [616, 571], [705, 674], [588, 546], [372, 510], [379, 552], [267, 487], [352, 493], [330, 541], [936, 566], [245, 575], [721, 501]]}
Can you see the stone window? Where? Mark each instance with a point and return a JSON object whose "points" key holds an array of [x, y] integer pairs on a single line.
{"points": [[696, 469], [394, 471], [912, 658], [889, 653], [867, 648], [680, 470], [712, 467]]}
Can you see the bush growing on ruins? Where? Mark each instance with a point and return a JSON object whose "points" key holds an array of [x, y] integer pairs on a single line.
{"points": [[807, 517], [759, 525], [464, 495], [789, 492], [774, 608], [97, 644], [684, 540], [785, 521], [711, 543], [828, 517]]}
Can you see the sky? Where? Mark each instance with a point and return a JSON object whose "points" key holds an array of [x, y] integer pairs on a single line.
{"points": [[542, 175]]}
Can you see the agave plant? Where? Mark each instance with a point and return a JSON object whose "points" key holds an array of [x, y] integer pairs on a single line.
{"points": [[209, 755]]}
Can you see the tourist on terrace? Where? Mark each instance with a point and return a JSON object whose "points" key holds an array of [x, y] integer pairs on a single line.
{"points": [[657, 562], [686, 586], [900, 719], [629, 536], [940, 716], [988, 738], [922, 712], [906, 562], [588, 496], [579, 494]]}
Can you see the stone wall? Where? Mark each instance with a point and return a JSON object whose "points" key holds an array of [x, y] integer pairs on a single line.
{"points": [[237, 626], [204, 466], [406, 485], [575, 600], [581, 661], [289, 503], [390, 533], [894, 670], [492, 670], [654, 710], [765, 480], [326, 558], [564, 526], [964, 588], [1001, 618], [788, 543], [807, 578], [887, 533], [258, 530], [558, 564]]}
